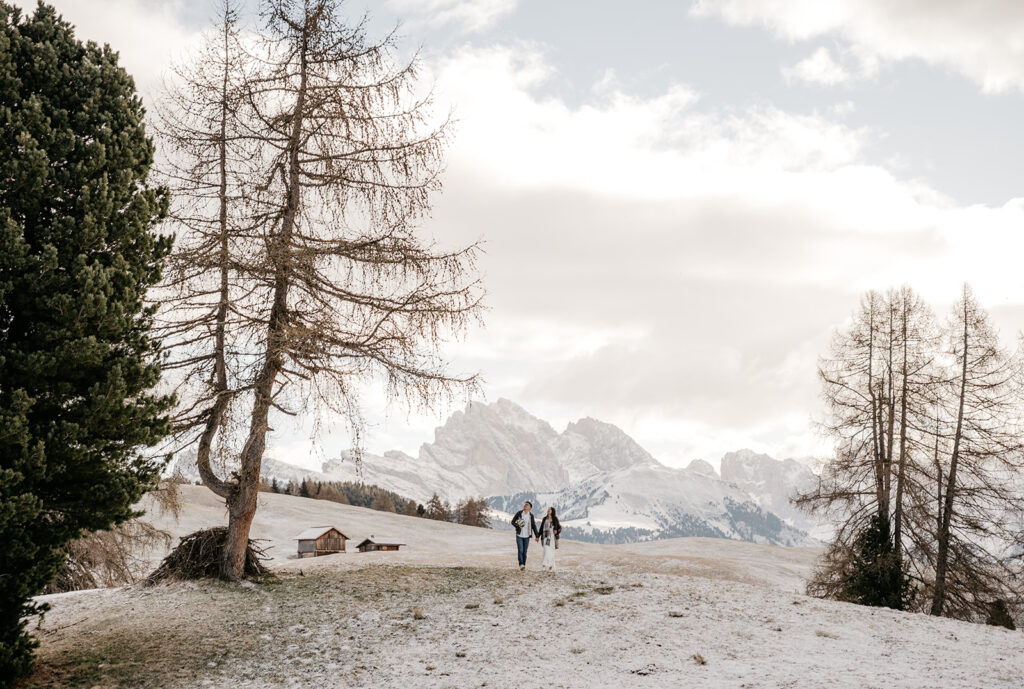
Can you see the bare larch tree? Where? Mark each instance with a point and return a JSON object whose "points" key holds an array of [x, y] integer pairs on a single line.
{"points": [[208, 162], [313, 161], [981, 503], [859, 385], [925, 424], [871, 382]]}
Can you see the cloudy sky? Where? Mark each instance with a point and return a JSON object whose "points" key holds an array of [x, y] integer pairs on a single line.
{"points": [[681, 200]]}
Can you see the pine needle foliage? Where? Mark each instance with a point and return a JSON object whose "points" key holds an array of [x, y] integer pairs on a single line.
{"points": [[78, 252]]}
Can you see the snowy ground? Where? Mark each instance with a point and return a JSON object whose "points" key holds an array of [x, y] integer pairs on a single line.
{"points": [[453, 611]]}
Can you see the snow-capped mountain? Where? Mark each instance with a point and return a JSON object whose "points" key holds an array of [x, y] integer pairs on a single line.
{"points": [[771, 483], [492, 449], [648, 501], [486, 449], [607, 486]]}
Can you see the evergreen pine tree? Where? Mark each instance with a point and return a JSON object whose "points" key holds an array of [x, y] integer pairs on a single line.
{"points": [[999, 615], [877, 574], [77, 254]]}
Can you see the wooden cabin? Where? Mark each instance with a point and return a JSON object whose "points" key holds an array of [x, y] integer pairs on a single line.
{"points": [[375, 543], [321, 540]]}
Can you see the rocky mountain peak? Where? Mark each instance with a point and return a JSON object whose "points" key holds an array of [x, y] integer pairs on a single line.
{"points": [[607, 446], [702, 467]]}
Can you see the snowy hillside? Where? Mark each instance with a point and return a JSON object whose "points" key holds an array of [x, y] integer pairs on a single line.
{"points": [[280, 517], [452, 610]]}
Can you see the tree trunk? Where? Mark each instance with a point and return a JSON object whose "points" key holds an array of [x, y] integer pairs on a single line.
{"points": [[242, 503], [220, 487], [901, 469], [240, 516], [877, 391], [942, 557], [877, 441], [890, 431]]}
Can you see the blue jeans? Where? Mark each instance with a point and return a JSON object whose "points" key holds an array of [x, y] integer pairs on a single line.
{"points": [[521, 545]]}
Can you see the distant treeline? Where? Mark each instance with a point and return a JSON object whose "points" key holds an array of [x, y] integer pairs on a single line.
{"points": [[629, 534], [469, 511]]}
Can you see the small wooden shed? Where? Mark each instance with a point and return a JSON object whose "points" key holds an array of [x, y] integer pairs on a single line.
{"points": [[374, 543], [321, 540]]}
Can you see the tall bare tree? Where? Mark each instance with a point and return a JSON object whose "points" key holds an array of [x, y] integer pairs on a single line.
{"points": [[855, 385], [981, 503], [208, 162], [876, 383], [927, 435], [916, 382], [322, 281]]}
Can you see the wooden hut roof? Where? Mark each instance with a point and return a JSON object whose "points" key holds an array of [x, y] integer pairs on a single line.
{"points": [[381, 540], [315, 532]]}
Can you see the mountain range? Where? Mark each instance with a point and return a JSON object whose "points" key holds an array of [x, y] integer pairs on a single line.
{"points": [[606, 486]]}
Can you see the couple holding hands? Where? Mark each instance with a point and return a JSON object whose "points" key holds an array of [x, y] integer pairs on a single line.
{"points": [[526, 528]]}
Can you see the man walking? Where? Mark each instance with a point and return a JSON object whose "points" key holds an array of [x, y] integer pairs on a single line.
{"points": [[526, 528]]}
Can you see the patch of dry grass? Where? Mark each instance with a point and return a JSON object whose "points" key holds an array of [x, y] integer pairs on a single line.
{"points": [[168, 635]]}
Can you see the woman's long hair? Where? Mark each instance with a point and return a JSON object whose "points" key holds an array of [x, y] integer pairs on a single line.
{"points": [[553, 516]]}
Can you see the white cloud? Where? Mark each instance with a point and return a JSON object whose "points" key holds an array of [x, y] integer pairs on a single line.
{"points": [[468, 15], [984, 41], [713, 249], [618, 144], [818, 68]]}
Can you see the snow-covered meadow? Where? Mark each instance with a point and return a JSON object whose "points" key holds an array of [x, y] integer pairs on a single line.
{"points": [[451, 610]]}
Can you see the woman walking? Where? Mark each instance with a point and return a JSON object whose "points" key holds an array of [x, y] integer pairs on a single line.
{"points": [[550, 529]]}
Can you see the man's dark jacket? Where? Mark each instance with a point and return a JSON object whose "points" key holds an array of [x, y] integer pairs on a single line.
{"points": [[517, 520]]}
